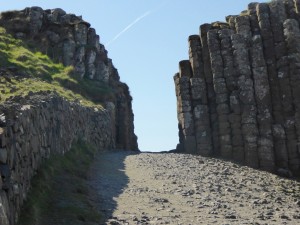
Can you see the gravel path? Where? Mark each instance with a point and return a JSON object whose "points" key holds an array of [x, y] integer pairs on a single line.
{"points": [[183, 189]]}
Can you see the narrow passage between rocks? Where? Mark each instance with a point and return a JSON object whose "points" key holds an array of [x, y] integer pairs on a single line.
{"points": [[184, 189]]}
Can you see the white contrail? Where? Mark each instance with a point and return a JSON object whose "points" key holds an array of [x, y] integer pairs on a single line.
{"points": [[128, 27]]}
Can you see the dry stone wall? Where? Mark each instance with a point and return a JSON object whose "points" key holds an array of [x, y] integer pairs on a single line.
{"points": [[34, 128], [238, 94], [68, 39]]}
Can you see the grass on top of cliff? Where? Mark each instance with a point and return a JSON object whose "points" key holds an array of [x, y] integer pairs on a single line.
{"points": [[23, 70]]}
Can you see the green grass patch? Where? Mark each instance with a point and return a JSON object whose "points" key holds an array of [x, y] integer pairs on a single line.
{"points": [[34, 71], [60, 192]]}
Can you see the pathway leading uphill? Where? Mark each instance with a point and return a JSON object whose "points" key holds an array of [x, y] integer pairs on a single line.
{"points": [[183, 189]]}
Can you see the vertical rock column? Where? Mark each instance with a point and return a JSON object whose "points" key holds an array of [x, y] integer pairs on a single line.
{"points": [[264, 106], [263, 14], [35, 16], [180, 146], [222, 93], [277, 17], [269, 54], [247, 25], [247, 100], [253, 18], [199, 98], [80, 40], [231, 21], [91, 53], [69, 48], [292, 35], [125, 137], [230, 76], [211, 95], [184, 106], [246, 92], [242, 26]]}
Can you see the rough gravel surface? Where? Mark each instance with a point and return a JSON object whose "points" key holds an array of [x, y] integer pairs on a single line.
{"points": [[151, 188]]}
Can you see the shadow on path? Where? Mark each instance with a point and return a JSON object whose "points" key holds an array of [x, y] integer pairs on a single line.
{"points": [[108, 180]]}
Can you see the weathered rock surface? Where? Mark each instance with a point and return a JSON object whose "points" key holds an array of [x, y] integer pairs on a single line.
{"points": [[186, 189], [33, 129], [68, 39], [43, 124], [237, 95]]}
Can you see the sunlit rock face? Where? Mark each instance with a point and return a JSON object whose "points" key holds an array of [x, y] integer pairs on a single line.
{"points": [[42, 124], [68, 39], [237, 95]]}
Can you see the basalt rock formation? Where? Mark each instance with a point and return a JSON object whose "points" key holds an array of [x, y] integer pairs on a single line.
{"points": [[34, 127], [68, 39], [238, 94]]}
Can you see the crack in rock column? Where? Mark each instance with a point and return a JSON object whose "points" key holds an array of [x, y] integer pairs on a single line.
{"points": [[222, 93], [80, 40], [277, 16], [261, 88], [247, 100], [211, 95], [234, 104], [252, 13], [246, 92], [292, 35], [264, 106], [180, 145], [280, 140], [199, 98]]}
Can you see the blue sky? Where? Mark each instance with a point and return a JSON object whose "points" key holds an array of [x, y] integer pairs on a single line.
{"points": [[146, 39]]}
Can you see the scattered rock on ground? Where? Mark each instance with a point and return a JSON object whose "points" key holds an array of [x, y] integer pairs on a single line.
{"points": [[184, 189]]}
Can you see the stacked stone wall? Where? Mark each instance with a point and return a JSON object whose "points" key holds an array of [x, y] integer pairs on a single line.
{"points": [[34, 128], [237, 95]]}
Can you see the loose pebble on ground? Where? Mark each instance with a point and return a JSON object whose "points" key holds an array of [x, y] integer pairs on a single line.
{"points": [[156, 188]]}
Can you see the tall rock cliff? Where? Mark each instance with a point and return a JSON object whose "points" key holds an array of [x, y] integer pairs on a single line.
{"points": [[42, 123], [70, 40], [238, 94]]}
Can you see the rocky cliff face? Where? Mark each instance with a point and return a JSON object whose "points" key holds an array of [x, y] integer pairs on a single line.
{"points": [[68, 39], [34, 127], [238, 94]]}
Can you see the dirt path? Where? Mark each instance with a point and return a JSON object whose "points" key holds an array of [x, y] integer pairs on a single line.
{"points": [[184, 189]]}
